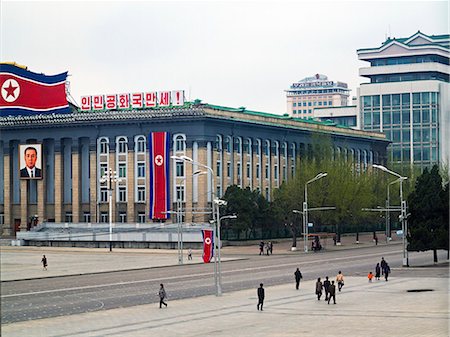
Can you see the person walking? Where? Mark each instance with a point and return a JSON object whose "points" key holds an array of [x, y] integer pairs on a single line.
{"points": [[261, 295], [190, 254], [162, 295], [377, 271], [387, 271], [332, 291], [261, 248], [383, 265], [326, 287], [44, 262], [298, 276], [271, 247], [370, 276], [340, 280], [319, 288]]}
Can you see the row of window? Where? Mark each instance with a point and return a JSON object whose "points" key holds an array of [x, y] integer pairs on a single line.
{"points": [[409, 60], [314, 103], [418, 98], [104, 217], [309, 111], [437, 76], [400, 117], [420, 135]]}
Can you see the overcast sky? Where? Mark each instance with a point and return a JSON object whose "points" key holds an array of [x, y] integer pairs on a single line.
{"points": [[231, 53]]}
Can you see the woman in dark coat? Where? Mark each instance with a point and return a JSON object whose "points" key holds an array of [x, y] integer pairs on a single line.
{"points": [[377, 272], [319, 288]]}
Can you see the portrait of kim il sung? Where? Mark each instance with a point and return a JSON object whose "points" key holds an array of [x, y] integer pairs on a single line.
{"points": [[30, 161]]}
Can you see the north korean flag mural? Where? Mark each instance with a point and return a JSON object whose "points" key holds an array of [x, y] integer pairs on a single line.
{"points": [[159, 146], [208, 245], [23, 92]]}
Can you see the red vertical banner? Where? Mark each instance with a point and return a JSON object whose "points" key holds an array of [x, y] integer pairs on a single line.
{"points": [[159, 144], [208, 245]]}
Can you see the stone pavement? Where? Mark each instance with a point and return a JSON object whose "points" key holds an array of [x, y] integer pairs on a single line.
{"points": [[362, 309]]}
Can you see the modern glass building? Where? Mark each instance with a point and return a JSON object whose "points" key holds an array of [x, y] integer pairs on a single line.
{"points": [[408, 97]]}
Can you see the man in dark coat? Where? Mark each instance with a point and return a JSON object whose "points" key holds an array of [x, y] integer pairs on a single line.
{"points": [[261, 296], [298, 277], [332, 291], [387, 271], [383, 265], [326, 287]]}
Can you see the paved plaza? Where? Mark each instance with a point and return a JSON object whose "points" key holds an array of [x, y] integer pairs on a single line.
{"points": [[362, 309]]}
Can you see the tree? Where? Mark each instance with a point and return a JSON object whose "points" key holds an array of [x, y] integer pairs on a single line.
{"points": [[428, 207]]}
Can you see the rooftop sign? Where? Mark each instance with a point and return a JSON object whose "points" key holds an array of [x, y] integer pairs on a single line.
{"points": [[139, 100]]}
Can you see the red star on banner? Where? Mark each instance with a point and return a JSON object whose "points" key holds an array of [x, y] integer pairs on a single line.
{"points": [[10, 90]]}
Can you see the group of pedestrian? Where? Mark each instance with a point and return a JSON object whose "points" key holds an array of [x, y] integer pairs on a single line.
{"points": [[268, 246], [329, 287]]}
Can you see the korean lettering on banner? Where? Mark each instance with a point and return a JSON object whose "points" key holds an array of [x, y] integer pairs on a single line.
{"points": [[111, 102], [137, 100], [97, 102], [150, 99], [164, 98], [86, 103], [123, 101], [177, 97]]}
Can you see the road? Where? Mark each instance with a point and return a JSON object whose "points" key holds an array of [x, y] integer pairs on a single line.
{"points": [[67, 295]]}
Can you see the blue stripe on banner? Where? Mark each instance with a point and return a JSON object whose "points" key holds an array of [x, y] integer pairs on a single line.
{"points": [[167, 162], [150, 149], [48, 79], [27, 112]]}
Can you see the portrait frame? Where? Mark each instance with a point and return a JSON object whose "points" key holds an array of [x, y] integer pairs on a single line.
{"points": [[38, 165]]}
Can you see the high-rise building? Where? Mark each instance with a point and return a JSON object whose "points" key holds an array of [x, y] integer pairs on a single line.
{"points": [[316, 91], [408, 97]]}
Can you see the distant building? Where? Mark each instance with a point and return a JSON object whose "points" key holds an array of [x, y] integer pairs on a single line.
{"points": [[317, 91], [408, 97], [340, 115]]}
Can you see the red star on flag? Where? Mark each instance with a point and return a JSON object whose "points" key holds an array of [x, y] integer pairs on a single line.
{"points": [[10, 90]]}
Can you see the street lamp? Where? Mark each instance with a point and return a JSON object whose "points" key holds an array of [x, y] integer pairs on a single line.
{"points": [[214, 221], [388, 211], [403, 215], [305, 209], [220, 202], [110, 177]]}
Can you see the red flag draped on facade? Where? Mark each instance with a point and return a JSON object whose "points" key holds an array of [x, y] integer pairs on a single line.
{"points": [[159, 175], [208, 245]]}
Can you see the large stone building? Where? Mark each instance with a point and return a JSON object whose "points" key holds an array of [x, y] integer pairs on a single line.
{"points": [[408, 97], [242, 147]]}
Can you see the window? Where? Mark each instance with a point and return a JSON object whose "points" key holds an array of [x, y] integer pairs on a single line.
{"points": [[140, 144], [267, 171], [104, 217], [180, 192], [104, 146], [68, 217], [87, 217], [228, 170], [257, 171], [238, 169], [103, 169], [122, 170], [227, 145], [122, 145], [218, 169], [103, 194], [180, 169], [123, 217], [267, 193], [248, 171], [275, 172], [180, 143], [141, 170], [140, 194], [141, 217], [122, 194]]}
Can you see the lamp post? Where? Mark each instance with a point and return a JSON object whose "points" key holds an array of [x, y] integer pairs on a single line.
{"points": [[110, 177], [213, 211], [403, 211], [305, 209], [219, 219], [388, 213]]}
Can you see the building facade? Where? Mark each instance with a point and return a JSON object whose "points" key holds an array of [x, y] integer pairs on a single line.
{"points": [[242, 147], [408, 97], [316, 91], [340, 115]]}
